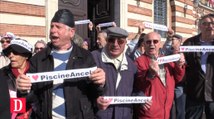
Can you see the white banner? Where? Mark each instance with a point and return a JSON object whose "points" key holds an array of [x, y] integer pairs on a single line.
{"points": [[107, 24], [127, 99], [60, 75], [155, 26], [169, 58], [82, 22], [196, 48]]}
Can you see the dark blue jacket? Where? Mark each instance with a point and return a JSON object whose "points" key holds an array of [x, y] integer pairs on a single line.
{"points": [[125, 88]]}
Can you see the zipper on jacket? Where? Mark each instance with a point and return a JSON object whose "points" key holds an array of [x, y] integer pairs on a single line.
{"points": [[166, 95]]}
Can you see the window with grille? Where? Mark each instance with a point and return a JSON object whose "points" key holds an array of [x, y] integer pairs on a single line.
{"points": [[160, 15]]}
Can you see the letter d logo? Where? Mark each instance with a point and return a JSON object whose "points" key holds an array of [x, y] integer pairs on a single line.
{"points": [[17, 105]]}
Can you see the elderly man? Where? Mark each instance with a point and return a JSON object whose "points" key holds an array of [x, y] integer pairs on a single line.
{"points": [[178, 108], [101, 39], [39, 46], [120, 72], [69, 98], [199, 74], [156, 80]]}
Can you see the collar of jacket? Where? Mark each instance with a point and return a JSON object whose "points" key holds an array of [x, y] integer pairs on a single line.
{"points": [[107, 59], [196, 40], [75, 53]]}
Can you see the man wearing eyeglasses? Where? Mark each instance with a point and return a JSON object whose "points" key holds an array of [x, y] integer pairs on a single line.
{"points": [[120, 72], [39, 45], [199, 72], [156, 80], [5, 42]]}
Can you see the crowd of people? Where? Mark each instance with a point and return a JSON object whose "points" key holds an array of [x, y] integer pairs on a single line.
{"points": [[181, 89]]}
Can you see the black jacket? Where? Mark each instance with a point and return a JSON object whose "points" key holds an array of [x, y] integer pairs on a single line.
{"points": [[6, 73], [79, 93], [4, 99], [199, 86]]}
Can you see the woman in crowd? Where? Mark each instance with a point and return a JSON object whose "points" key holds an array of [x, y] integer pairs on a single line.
{"points": [[19, 52]]}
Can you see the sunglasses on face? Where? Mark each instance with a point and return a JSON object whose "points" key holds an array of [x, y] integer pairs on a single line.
{"points": [[208, 23], [12, 51], [5, 41], [17, 53], [150, 42], [37, 48], [119, 40]]}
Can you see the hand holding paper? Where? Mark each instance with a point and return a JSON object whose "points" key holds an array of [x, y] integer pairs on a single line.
{"points": [[98, 77], [181, 61], [147, 105], [103, 103], [153, 66], [23, 83]]}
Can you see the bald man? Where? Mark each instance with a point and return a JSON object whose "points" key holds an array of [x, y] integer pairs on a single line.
{"points": [[156, 80]]}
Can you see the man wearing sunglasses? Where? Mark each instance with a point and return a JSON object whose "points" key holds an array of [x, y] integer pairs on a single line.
{"points": [[120, 71], [39, 46], [156, 80], [5, 42]]}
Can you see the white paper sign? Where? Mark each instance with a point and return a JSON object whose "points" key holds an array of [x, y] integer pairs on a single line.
{"points": [[196, 48], [107, 24], [60, 75], [127, 99], [12, 93], [82, 22], [155, 26], [169, 58]]}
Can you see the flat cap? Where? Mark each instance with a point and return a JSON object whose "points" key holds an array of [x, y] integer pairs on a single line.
{"points": [[117, 32]]}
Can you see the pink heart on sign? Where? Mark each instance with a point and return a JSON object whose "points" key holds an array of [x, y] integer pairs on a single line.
{"points": [[35, 77], [182, 49]]}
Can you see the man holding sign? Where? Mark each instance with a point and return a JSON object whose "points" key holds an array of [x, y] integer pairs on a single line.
{"points": [[120, 73], [60, 99], [156, 80], [199, 72]]}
